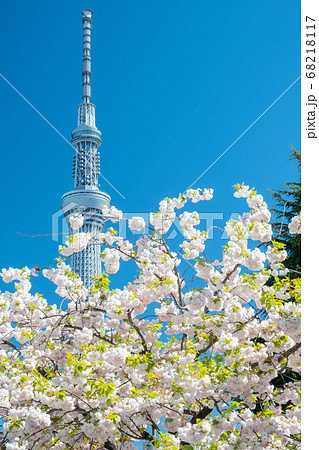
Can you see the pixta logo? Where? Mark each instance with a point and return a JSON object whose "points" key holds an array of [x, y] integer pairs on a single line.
{"points": [[209, 222]]}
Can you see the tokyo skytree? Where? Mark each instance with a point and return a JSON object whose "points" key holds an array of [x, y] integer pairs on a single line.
{"points": [[86, 198]]}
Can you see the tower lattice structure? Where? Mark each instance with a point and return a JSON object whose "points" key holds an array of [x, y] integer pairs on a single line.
{"points": [[86, 198]]}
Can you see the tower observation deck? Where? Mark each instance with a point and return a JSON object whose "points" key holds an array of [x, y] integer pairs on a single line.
{"points": [[86, 198]]}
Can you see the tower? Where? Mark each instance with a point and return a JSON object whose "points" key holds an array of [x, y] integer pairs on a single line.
{"points": [[86, 198]]}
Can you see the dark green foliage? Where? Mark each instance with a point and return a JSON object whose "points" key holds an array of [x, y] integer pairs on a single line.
{"points": [[288, 205]]}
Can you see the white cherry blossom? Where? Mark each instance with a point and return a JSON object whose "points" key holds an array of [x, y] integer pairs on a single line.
{"points": [[194, 349], [136, 223], [76, 221], [295, 225]]}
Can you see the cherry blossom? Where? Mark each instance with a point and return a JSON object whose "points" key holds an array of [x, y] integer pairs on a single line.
{"points": [[295, 225], [136, 223], [76, 221], [192, 353], [75, 243]]}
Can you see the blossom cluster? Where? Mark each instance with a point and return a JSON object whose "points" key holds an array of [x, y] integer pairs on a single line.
{"points": [[191, 352]]}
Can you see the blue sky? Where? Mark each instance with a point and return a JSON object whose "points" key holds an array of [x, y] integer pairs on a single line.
{"points": [[174, 84]]}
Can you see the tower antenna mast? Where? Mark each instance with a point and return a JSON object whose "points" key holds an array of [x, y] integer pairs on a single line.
{"points": [[86, 66]]}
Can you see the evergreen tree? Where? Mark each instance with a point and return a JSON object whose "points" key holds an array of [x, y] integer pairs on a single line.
{"points": [[288, 205]]}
